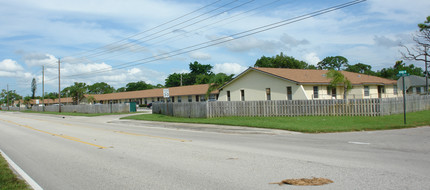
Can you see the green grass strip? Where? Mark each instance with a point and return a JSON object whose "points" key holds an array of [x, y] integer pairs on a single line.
{"points": [[307, 124], [8, 180]]}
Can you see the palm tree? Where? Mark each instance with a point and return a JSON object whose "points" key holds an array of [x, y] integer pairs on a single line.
{"points": [[91, 99], [338, 79], [217, 81]]}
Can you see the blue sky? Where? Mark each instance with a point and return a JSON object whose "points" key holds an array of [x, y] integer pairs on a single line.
{"points": [[81, 33]]}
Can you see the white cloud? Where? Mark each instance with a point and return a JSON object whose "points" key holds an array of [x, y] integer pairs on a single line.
{"points": [[311, 58], [10, 66], [251, 43], [200, 55], [405, 11], [229, 68], [292, 42], [37, 59], [386, 42]]}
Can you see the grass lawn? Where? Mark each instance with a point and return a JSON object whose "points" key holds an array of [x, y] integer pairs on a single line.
{"points": [[8, 180], [76, 114], [308, 124]]}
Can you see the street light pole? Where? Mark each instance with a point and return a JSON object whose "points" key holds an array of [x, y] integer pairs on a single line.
{"points": [[427, 73], [59, 88]]}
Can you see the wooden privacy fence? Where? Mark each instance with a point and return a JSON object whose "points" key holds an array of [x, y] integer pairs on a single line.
{"points": [[186, 109], [361, 107], [413, 103], [274, 108]]}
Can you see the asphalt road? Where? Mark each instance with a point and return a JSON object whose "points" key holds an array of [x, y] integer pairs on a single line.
{"points": [[108, 153]]}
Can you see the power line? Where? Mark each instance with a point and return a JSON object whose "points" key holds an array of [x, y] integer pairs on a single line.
{"points": [[225, 39], [137, 34], [125, 44], [141, 47]]}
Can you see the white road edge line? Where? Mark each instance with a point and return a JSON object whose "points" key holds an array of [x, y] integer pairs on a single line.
{"points": [[21, 172]]}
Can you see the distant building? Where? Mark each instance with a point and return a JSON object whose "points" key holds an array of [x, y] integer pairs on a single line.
{"points": [[413, 84]]}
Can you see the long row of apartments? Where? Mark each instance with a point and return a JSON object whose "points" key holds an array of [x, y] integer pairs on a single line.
{"points": [[259, 84]]}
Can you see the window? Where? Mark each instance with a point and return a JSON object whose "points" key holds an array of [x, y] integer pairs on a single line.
{"points": [[395, 90], [242, 95], [146, 101], [268, 94], [158, 98], [366, 90], [315, 91], [289, 93], [173, 99], [202, 98], [179, 99], [190, 98], [228, 95], [418, 90], [197, 98]]}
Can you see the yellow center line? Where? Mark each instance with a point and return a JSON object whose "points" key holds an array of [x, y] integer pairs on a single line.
{"points": [[122, 132], [58, 135]]}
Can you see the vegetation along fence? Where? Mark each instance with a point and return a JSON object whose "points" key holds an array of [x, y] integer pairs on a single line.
{"points": [[355, 107]]}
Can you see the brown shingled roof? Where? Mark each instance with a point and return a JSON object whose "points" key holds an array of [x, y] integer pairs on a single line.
{"points": [[173, 91], [304, 76], [50, 101]]}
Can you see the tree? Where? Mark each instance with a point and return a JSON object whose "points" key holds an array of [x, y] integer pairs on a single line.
{"points": [[331, 63], [197, 69], [217, 81], [140, 85], [203, 78], [100, 88], [265, 62], [200, 74], [51, 95], [421, 50], [33, 87], [338, 79], [281, 61], [391, 72], [91, 99], [11, 95], [77, 92], [360, 68], [122, 89], [27, 100], [175, 79]]}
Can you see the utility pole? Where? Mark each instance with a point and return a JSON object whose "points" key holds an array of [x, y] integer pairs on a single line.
{"points": [[427, 73], [181, 79], [7, 103], [43, 87], [59, 88]]}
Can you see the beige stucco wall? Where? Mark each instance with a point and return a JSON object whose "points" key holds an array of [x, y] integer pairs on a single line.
{"points": [[357, 92], [255, 83]]}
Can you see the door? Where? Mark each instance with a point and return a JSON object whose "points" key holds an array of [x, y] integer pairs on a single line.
{"points": [[132, 106], [381, 90], [289, 93], [333, 93]]}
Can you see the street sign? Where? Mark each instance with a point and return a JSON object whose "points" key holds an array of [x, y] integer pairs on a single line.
{"points": [[402, 72], [166, 93]]}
